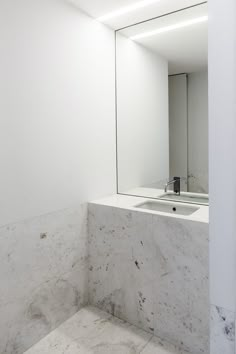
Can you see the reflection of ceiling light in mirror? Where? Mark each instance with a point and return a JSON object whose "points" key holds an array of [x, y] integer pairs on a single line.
{"points": [[127, 9], [171, 28]]}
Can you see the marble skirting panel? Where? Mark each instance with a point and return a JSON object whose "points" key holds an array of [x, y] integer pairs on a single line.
{"points": [[222, 331], [44, 276], [152, 271]]}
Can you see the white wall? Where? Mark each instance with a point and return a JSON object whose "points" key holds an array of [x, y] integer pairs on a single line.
{"points": [[198, 132], [188, 105], [178, 121], [57, 151], [222, 174], [222, 131], [57, 124], [143, 125]]}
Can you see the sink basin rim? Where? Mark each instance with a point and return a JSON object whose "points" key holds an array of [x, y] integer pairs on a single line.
{"points": [[168, 207]]}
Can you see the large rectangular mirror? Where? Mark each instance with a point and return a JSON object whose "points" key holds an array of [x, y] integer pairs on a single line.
{"points": [[162, 107]]}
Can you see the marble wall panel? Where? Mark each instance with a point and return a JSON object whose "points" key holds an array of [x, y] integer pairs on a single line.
{"points": [[222, 331], [152, 271], [44, 276]]}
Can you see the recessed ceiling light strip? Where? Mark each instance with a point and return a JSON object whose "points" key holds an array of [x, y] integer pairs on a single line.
{"points": [[127, 9], [170, 28]]}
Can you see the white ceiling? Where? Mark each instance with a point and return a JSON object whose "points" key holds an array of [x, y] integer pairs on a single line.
{"points": [[97, 8], [186, 49]]}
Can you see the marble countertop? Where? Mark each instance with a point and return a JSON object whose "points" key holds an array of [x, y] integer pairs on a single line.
{"points": [[156, 193], [129, 202]]}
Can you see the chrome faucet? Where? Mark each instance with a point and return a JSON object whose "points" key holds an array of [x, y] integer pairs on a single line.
{"points": [[176, 185]]}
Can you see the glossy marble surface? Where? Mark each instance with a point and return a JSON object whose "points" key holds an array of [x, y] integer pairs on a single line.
{"points": [[91, 331], [222, 331], [158, 346], [129, 202], [44, 276], [151, 270]]}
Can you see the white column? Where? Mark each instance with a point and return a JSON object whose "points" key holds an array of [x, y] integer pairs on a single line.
{"points": [[222, 173]]}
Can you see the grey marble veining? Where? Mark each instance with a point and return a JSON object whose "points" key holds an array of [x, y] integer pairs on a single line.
{"points": [[142, 268], [158, 346], [152, 271], [120, 271], [44, 276], [91, 331], [182, 309], [222, 331]]}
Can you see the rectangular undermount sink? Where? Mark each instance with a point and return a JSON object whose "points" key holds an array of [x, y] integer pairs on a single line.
{"points": [[169, 208]]}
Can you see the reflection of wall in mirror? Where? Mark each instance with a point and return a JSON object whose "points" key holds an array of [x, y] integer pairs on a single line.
{"points": [[188, 107], [198, 132], [178, 123], [142, 122]]}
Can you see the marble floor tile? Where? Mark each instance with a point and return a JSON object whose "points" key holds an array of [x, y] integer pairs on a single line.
{"points": [[157, 346], [92, 331]]}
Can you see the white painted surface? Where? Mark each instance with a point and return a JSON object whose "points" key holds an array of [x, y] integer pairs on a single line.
{"points": [[57, 145], [188, 102], [198, 132], [222, 107], [186, 49], [143, 127], [178, 127], [101, 7]]}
